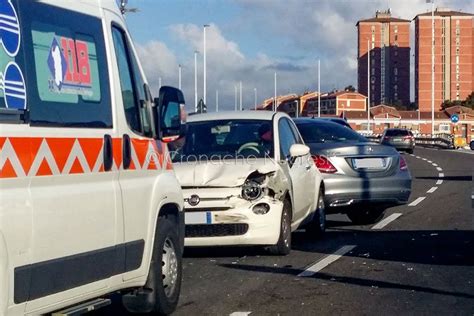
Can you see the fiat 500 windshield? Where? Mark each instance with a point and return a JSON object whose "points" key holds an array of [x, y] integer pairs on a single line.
{"points": [[226, 139]]}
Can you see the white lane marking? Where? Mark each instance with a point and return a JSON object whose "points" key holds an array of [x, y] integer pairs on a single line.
{"points": [[417, 201], [432, 190], [240, 313], [424, 159], [429, 161], [439, 182], [318, 266], [441, 175], [387, 221], [412, 155], [435, 165], [418, 157], [439, 169]]}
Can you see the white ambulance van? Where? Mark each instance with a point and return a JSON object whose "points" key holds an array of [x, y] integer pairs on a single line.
{"points": [[89, 202]]}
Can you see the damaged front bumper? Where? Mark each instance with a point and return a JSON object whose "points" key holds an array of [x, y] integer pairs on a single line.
{"points": [[221, 217]]}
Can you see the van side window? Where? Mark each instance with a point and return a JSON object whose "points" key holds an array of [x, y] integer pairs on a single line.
{"points": [[66, 67], [132, 85]]}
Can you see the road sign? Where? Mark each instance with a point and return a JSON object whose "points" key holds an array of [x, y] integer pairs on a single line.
{"points": [[454, 118]]}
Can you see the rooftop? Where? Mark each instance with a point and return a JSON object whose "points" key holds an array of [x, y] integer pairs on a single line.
{"points": [[445, 12]]}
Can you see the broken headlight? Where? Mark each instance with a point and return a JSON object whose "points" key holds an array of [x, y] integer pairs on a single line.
{"points": [[251, 190]]}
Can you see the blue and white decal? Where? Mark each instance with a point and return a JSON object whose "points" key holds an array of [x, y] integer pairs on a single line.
{"points": [[9, 28], [13, 85]]}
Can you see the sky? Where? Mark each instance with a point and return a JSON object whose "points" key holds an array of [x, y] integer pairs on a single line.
{"points": [[249, 40]]}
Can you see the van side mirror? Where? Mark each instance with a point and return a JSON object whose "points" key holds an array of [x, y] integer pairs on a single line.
{"points": [[168, 114]]}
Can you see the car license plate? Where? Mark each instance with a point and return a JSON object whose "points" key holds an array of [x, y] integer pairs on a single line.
{"points": [[397, 139], [369, 163], [191, 218]]}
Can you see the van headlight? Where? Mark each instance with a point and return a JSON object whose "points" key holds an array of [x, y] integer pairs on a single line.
{"points": [[251, 190]]}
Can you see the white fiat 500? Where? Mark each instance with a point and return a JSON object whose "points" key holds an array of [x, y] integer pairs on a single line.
{"points": [[247, 179]]}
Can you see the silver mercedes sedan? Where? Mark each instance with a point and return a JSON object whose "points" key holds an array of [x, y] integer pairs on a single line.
{"points": [[361, 179]]}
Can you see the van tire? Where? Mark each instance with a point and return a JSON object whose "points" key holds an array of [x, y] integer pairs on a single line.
{"points": [[160, 294], [283, 246]]}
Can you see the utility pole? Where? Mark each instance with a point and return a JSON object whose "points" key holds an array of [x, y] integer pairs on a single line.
{"points": [[240, 87], [275, 95], [205, 65], [195, 81], [179, 76], [319, 87], [432, 67], [255, 92], [217, 100], [368, 86], [235, 93]]}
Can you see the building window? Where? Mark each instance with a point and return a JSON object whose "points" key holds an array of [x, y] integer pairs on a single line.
{"points": [[395, 71]]}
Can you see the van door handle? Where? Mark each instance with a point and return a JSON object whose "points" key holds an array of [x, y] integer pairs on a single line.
{"points": [[126, 151], [308, 167], [108, 153]]}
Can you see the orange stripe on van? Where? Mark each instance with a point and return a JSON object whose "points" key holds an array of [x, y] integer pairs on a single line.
{"points": [[37, 156]]}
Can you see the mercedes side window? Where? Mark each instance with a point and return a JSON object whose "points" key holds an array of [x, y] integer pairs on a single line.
{"points": [[286, 138], [134, 96]]}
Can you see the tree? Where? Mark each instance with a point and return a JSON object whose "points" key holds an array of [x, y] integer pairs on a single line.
{"points": [[350, 88], [469, 102], [201, 107]]}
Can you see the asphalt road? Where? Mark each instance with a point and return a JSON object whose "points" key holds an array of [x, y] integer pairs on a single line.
{"points": [[422, 262]]}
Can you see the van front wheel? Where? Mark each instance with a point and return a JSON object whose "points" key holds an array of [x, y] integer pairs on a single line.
{"points": [[160, 294]]}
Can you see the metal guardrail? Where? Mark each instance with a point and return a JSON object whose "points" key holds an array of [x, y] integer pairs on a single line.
{"points": [[445, 141]]}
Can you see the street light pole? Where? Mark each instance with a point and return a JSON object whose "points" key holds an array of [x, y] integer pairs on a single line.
{"points": [[275, 95], [159, 83], [235, 93], [319, 88], [179, 76], [432, 67], [195, 81], [217, 100], [368, 86], [205, 65], [255, 92], [240, 87]]}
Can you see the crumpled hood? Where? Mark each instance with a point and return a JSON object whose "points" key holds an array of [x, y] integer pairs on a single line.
{"points": [[220, 173]]}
